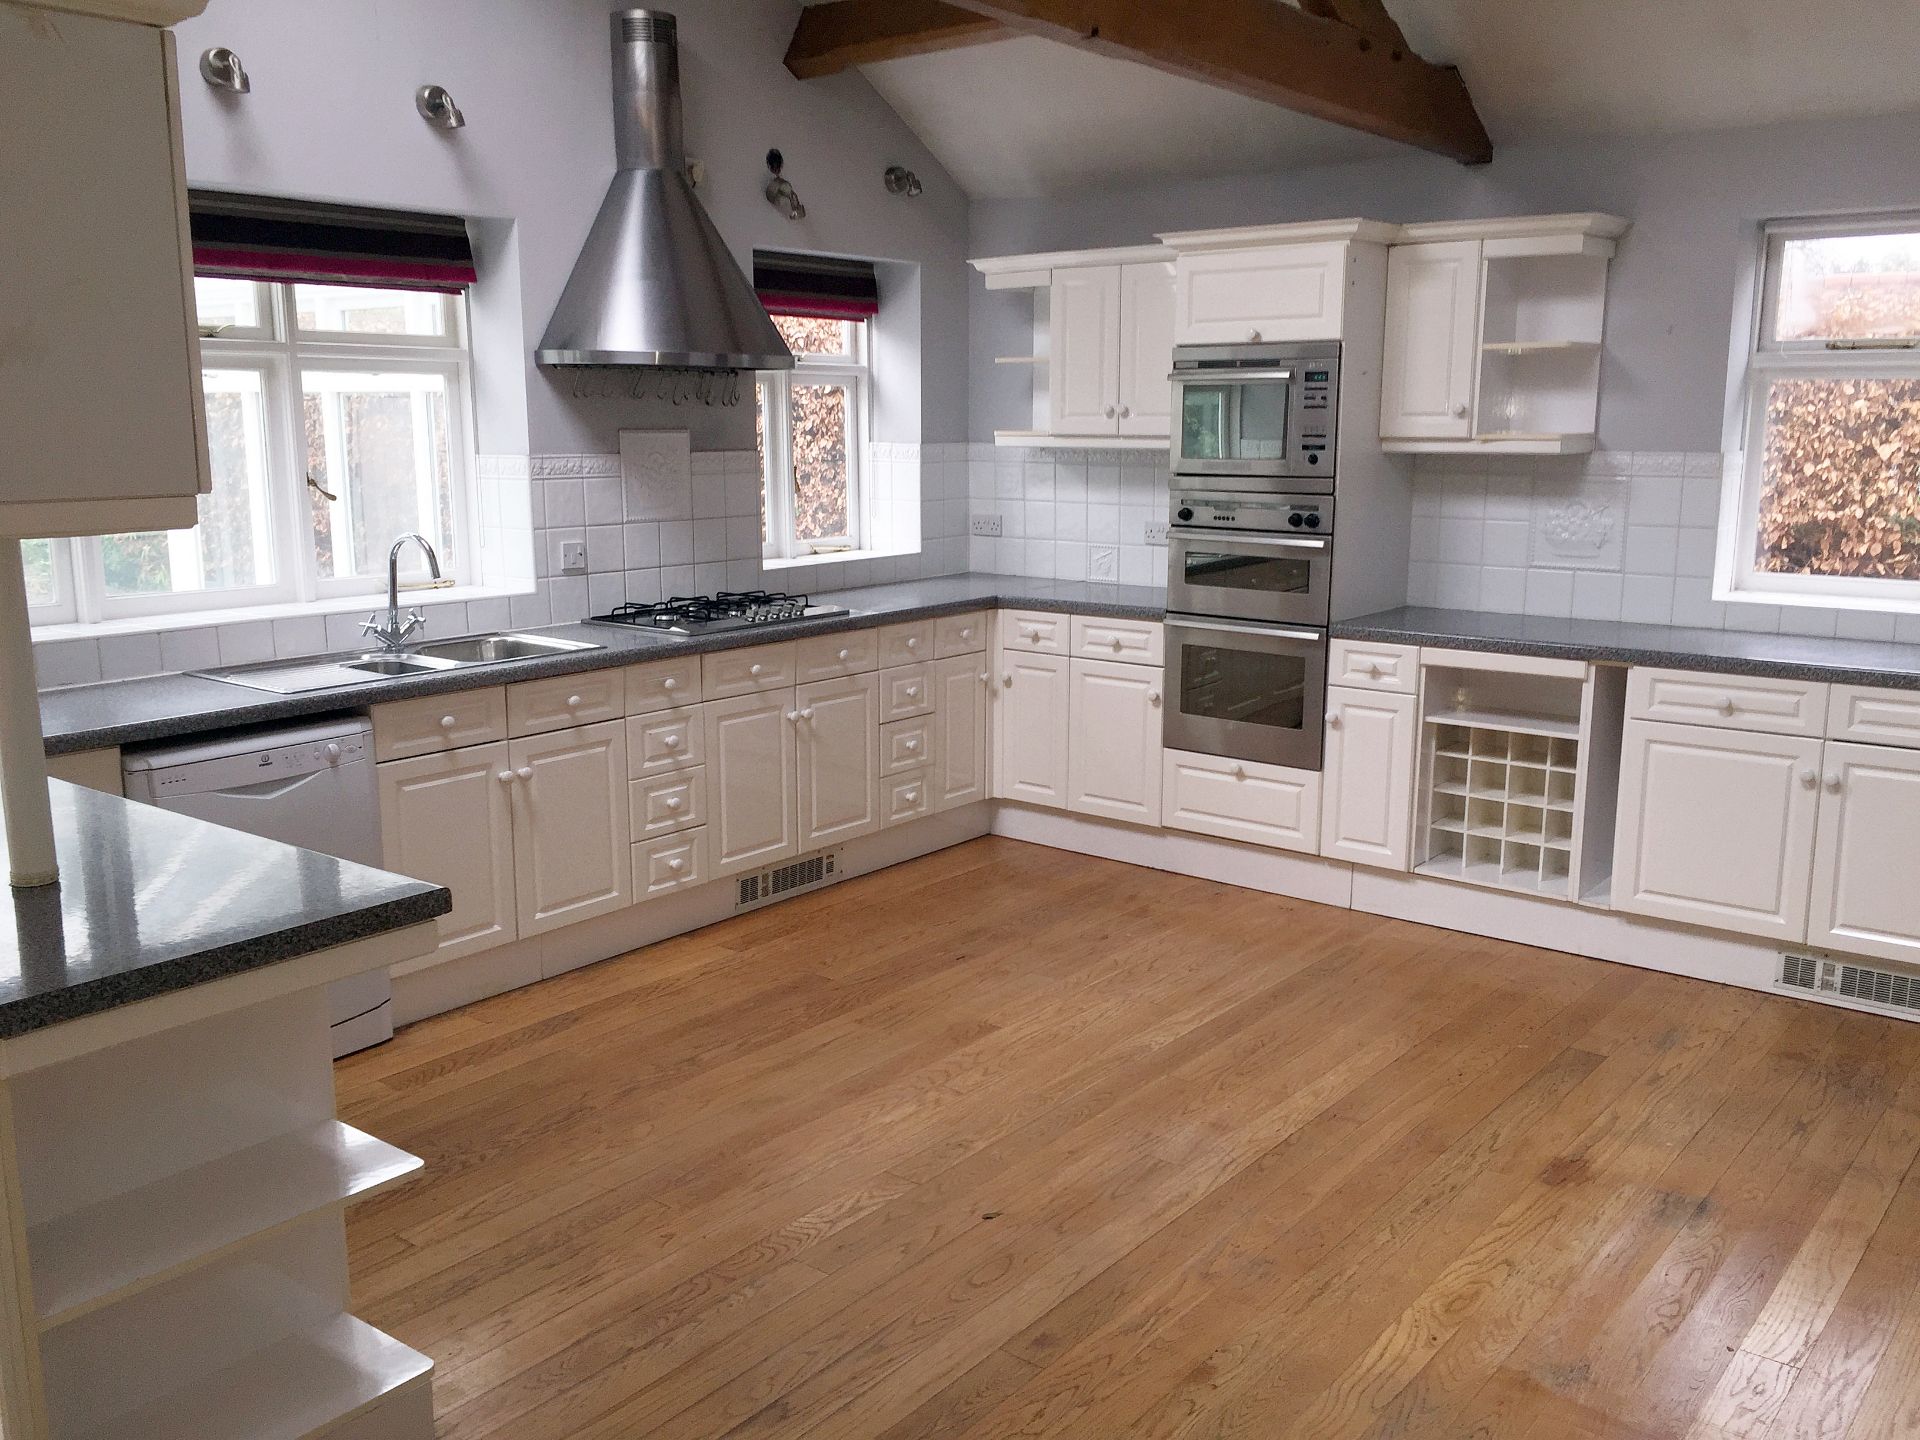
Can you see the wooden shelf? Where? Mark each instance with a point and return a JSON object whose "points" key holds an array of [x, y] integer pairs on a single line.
{"points": [[1036, 440], [1518, 724], [1494, 445], [121, 1246], [1019, 359], [1539, 347], [302, 1386]]}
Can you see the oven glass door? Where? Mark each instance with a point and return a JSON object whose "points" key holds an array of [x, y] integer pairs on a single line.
{"points": [[1283, 578], [1247, 691], [1235, 425]]}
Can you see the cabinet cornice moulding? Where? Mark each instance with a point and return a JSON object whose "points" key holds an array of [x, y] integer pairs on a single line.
{"points": [[1590, 224], [140, 12], [1255, 237], [1024, 272]]}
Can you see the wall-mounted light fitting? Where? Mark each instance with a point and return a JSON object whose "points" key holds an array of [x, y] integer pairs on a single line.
{"points": [[436, 107], [780, 192], [902, 181], [221, 68]]}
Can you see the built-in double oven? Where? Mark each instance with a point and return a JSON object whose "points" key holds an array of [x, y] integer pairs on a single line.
{"points": [[1250, 551]]}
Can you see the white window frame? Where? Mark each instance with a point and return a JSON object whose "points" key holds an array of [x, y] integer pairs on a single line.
{"points": [[63, 609], [776, 409], [283, 353], [1760, 362]]}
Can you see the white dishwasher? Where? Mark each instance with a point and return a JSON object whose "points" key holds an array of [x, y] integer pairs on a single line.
{"points": [[309, 785]]}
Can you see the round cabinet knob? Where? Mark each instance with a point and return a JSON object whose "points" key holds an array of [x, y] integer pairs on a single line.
{"points": [[1007, 681], [1153, 697], [525, 772], [913, 642], [793, 717], [1118, 644], [1033, 637], [1239, 772], [447, 722], [1375, 670], [912, 745], [807, 714], [669, 684], [333, 752], [1333, 720], [672, 742], [674, 802], [1727, 707], [676, 865], [966, 632], [1110, 412], [1253, 336], [1809, 779], [1459, 412], [573, 702], [754, 669], [911, 796], [505, 777], [846, 655], [1126, 412], [1833, 781], [913, 692]]}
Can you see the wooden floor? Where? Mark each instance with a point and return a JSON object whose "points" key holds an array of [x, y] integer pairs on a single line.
{"points": [[1014, 1142]]}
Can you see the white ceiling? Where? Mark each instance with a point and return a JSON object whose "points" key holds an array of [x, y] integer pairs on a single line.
{"points": [[1030, 117]]}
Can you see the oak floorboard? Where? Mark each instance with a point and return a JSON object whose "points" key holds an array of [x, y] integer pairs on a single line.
{"points": [[1010, 1142]]}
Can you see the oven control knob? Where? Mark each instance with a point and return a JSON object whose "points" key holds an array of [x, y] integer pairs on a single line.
{"points": [[1185, 512], [1313, 522], [1296, 520], [1313, 459]]}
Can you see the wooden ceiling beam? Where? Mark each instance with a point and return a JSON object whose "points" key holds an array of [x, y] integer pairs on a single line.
{"points": [[834, 37], [1338, 60]]}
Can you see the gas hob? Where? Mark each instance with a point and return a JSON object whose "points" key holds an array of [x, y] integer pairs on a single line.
{"points": [[707, 614]]}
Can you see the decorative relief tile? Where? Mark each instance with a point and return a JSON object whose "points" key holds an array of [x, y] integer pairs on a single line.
{"points": [[1581, 529], [575, 467], [657, 469]]}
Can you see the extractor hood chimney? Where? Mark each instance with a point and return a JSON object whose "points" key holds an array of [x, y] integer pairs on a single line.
{"points": [[655, 284]]}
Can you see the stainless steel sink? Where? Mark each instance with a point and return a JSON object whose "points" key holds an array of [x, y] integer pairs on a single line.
{"points": [[360, 667]]}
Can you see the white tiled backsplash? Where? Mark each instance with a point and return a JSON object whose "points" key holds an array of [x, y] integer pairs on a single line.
{"points": [[716, 546], [1070, 514]]}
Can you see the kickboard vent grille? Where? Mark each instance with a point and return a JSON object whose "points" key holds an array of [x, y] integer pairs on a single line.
{"points": [[1887, 989], [765, 885]]}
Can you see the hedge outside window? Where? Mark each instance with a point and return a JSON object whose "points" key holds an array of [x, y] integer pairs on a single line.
{"points": [[810, 429]]}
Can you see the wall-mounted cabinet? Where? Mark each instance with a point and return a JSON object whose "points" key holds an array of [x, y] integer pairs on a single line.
{"points": [[1266, 284], [1103, 339], [1494, 334]]}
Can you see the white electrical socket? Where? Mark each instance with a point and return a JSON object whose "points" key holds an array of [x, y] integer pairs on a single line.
{"points": [[1156, 532], [984, 525], [573, 557]]}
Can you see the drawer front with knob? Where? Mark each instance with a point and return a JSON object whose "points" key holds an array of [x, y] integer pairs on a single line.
{"points": [[1874, 716], [905, 692], [670, 862], [828, 657], [906, 745], [906, 644], [1728, 702], [1135, 642], [663, 685], [670, 740], [1035, 630], [960, 634], [745, 672], [664, 804], [910, 797], [405, 728], [535, 707], [1242, 800], [1369, 666]]}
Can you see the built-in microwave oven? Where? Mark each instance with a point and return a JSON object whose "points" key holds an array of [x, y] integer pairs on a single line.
{"points": [[1256, 418]]}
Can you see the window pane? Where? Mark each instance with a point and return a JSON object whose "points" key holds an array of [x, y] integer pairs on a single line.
{"points": [[1840, 492], [1849, 287], [231, 547], [227, 304], [820, 462], [356, 310], [379, 445], [42, 587], [815, 337]]}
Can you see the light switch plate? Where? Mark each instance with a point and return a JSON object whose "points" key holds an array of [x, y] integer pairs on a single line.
{"points": [[573, 557], [984, 525]]}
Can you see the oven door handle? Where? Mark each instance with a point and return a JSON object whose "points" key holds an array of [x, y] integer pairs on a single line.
{"points": [[1263, 632], [1233, 537], [1215, 377]]}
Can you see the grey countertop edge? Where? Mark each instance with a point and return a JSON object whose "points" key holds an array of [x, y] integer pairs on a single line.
{"points": [[96, 996]]}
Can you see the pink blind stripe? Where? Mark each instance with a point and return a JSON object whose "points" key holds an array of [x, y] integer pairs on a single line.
{"points": [[812, 307], [332, 269]]}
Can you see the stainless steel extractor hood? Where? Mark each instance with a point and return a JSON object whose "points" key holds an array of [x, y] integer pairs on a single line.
{"points": [[655, 283]]}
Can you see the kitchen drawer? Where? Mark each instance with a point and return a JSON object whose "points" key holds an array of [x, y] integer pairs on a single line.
{"points": [[828, 657], [537, 706], [1372, 666], [1873, 716], [908, 797], [1727, 702], [671, 862], [405, 728], [663, 685], [744, 672], [1036, 630], [960, 634], [907, 644], [1136, 642], [906, 745], [670, 740], [1241, 800], [665, 804], [906, 691]]}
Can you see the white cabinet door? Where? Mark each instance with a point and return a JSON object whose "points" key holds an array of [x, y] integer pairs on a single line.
{"points": [[448, 819], [1865, 900], [1366, 807], [1716, 827], [1433, 340], [960, 731], [1083, 361], [1031, 726], [752, 788], [837, 751], [1114, 746], [1146, 349], [1284, 292], [572, 838]]}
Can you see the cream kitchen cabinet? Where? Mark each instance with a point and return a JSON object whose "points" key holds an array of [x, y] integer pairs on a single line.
{"points": [[572, 838], [1110, 344], [961, 731], [1716, 827], [1243, 800], [752, 780], [1433, 340], [447, 818], [1865, 901], [837, 759], [1114, 759], [1032, 728], [1144, 393], [1366, 806], [1263, 294]]}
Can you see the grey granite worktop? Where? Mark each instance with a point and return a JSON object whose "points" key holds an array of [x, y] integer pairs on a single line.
{"points": [[1727, 652], [161, 707], [150, 901]]}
